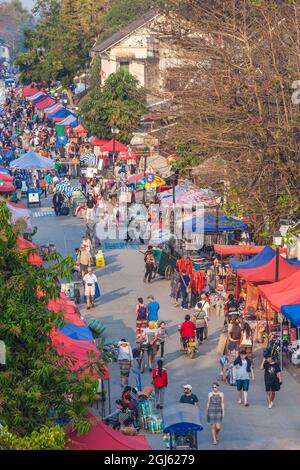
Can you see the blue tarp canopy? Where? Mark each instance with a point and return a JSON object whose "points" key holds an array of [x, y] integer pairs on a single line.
{"points": [[61, 113], [39, 98], [209, 223], [292, 312], [77, 332], [266, 255], [293, 261], [181, 417]]}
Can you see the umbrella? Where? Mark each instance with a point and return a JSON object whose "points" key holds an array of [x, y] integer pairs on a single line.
{"points": [[32, 161], [155, 182], [114, 146], [96, 142]]}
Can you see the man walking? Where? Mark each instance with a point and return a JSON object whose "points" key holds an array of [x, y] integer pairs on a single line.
{"points": [[83, 182], [149, 264], [57, 202], [90, 205], [90, 280], [153, 308]]}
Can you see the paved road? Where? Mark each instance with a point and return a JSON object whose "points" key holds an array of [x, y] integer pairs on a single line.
{"points": [[255, 427]]}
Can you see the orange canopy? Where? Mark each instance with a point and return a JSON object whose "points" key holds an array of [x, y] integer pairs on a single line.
{"points": [[226, 250], [285, 292], [80, 129]]}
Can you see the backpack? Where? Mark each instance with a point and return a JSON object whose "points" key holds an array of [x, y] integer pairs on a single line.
{"points": [[142, 313], [236, 331]]}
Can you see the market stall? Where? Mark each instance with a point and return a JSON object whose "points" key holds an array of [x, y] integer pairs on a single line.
{"points": [[102, 437]]}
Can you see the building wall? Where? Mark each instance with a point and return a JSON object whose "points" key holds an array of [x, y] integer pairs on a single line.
{"points": [[148, 55]]}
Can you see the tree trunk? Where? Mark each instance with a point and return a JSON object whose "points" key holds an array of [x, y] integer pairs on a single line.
{"points": [[70, 97]]}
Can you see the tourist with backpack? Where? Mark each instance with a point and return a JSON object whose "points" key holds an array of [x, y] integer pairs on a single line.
{"points": [[160, 383], [141, 315], [234, 337], [149, 264], [200, 319]]}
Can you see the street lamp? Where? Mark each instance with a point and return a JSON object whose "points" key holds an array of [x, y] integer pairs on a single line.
{"points": [[115, 131], [146, 149], [277, 238]]}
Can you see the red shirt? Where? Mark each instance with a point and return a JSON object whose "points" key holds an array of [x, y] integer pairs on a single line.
{"points": [[160, 381], [187, 329]]}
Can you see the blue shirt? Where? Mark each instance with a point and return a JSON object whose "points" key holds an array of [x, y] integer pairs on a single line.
{"points": [[184, 281], [153, 308]]}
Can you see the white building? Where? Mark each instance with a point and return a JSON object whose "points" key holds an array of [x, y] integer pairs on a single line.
{"points": [[140, 48]]}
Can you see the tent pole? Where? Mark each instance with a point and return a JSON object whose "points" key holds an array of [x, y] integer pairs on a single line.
{"points": [[281, 341], [277, 265], [109, 400]]}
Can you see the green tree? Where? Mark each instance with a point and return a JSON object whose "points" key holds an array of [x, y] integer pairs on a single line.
{"points": [[37, 387], [120, 102], [59, 47]]}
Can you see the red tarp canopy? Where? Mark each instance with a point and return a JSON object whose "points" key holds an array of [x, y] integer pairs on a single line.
{"points": [[46, 103], [226, 250], [17, 205], [285, 292], [111, 146], [78, 350], [266, 273], [126, 156], [6, 178], [34, 259], [7, 188], [80, 129], [96, 142], [30, 90], [23, 244], [102, 437]]}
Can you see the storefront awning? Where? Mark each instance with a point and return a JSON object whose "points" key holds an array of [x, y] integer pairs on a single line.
{"points": [[292, 312]]}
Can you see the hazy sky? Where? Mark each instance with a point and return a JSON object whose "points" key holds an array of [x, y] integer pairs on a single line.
{"points": [[28, 3]]}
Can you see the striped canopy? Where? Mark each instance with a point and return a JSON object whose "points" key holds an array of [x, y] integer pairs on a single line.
{"points": [[91, 158]]}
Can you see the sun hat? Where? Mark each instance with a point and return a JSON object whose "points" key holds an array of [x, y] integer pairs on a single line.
{"points": [[188, 386]]}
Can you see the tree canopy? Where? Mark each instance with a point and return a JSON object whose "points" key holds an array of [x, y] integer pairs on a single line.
{"points": [[14, 19], [119, 102], [37, 387], [233, 96]]}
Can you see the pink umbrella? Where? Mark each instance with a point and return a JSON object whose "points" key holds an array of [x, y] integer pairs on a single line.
{"points": [[136, 177]]}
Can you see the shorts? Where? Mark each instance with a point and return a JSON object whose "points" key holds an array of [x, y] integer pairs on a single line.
{"points": [[242, 385], [84, 268], [233, 346], [89, 290]]}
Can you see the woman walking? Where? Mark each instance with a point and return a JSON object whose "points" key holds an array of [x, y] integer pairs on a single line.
{"points": [[174, 290], [273, 379], [215, 411], [243, 370], [125, 359], [247, 339], [141, 311], [160, 383]]}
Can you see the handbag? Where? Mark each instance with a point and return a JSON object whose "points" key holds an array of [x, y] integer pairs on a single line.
{"points": [[188, 288]]}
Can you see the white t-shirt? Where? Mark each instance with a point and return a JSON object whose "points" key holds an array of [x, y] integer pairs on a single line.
{"points": [[90, 278]]}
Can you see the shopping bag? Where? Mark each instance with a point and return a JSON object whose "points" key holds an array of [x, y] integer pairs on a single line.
{"points": [[97, 291]]}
